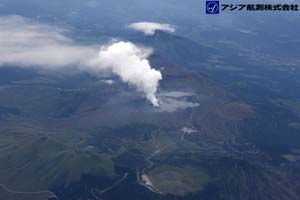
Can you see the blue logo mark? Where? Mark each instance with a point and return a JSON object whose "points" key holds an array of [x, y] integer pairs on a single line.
{"points": [[212, 7]]}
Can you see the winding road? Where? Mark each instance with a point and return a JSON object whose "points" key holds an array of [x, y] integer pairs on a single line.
{"points": [[144, 180], [46, 192], [96, 192]]}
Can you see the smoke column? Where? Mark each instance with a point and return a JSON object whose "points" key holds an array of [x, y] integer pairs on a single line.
{"points": [[131, 64], [26, 43]]}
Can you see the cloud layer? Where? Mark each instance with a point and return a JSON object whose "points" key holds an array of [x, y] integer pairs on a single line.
{"points": [[25, 43], [149, 28]]}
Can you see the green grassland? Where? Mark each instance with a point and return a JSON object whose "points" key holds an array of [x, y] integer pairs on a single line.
{"points": [[35, 162], [178, 180], [52, 136]]}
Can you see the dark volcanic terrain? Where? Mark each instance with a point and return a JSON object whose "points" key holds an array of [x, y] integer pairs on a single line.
{"points": [[76, 137]]}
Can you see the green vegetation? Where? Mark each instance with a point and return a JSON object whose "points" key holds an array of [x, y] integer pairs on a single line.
{"points": [[178, 180], [33, 162]]}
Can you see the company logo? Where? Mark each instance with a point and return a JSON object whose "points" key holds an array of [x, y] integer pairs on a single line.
{"points": [[212, 7]]}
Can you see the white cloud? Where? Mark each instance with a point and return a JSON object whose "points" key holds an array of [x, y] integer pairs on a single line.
{"points": [[108, 82], [25, 43], [245, 31], [149, 28]]}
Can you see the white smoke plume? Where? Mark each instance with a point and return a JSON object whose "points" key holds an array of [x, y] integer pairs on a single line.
{"points": [[130, 63], [25, 43], [149, 28], [176, 100]]}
